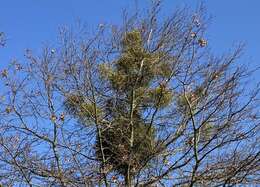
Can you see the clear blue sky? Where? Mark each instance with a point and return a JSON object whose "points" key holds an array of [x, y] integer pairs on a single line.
{"points": [[29, 23]]}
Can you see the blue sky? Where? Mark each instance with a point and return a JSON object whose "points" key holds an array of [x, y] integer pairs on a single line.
{"points": [[30, 23]]}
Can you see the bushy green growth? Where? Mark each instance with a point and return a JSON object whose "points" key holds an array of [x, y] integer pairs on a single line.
{"points": [[132, 76], [136, 67], [132, 42], [158, 97], [161, 96], [117, 150], [85, 111]]}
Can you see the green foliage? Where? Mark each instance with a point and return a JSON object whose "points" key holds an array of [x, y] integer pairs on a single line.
{"points": [[132, 42], [136, 71], [85, 111], [117, 149], [136, 67], [158, 97]]}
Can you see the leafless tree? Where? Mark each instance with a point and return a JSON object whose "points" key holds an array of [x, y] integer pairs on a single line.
{"points": [[145, 103]]}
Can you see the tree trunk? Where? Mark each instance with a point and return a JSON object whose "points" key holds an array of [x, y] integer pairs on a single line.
{"points": [[128, 180]]}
